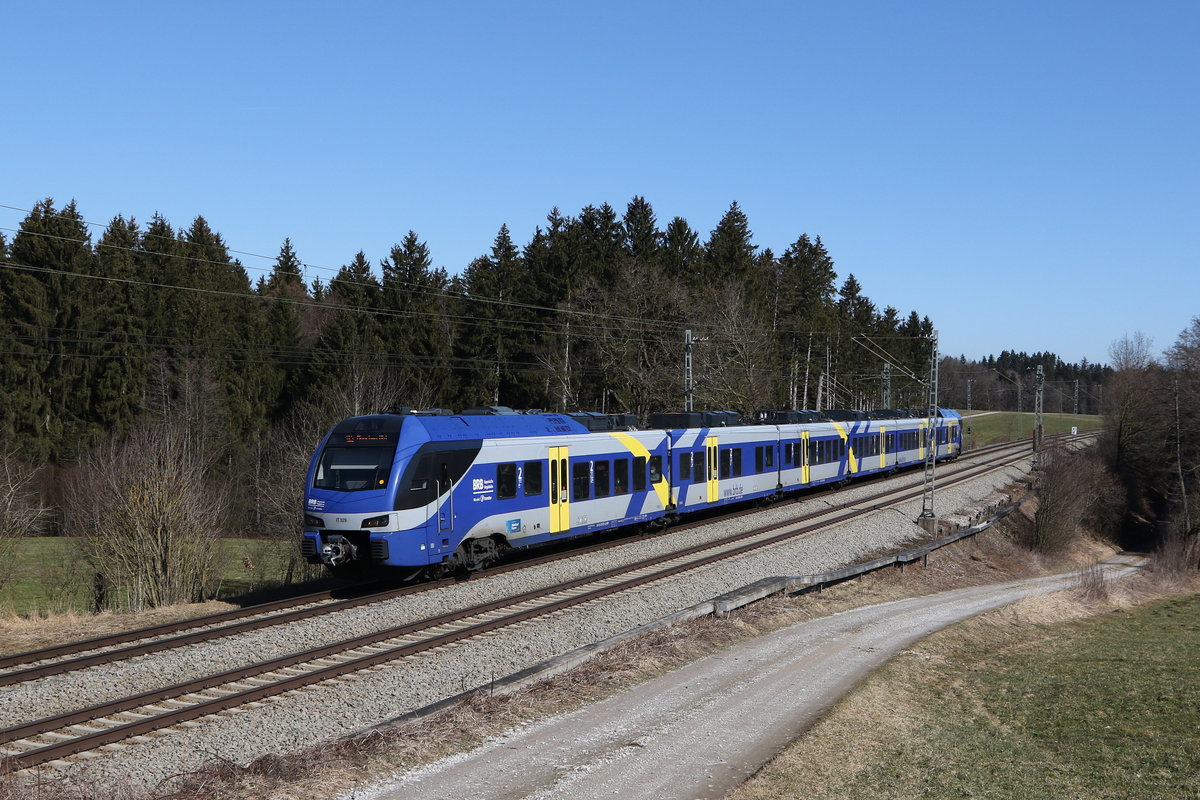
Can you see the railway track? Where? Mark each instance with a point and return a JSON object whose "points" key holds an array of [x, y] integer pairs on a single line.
{"points": [[109, 724], [34, 664]]}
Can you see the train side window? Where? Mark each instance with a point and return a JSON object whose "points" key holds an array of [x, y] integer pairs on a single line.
{"points": [[814, 452], [533, 478], [580, 473], [758, 459], [506, 480], [770, 456], [699, 459], [621, 476], [737, 462], [600, 478], [685, 466], [726, 462], [639, 474], [420, 479], [655, 469]]}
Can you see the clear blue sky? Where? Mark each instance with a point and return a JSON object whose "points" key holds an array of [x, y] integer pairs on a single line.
{"points": [[1026, 173]]}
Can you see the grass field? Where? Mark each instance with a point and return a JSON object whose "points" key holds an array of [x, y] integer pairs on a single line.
{"points": [[48, 575], [1003, 426], [1103, 708]]}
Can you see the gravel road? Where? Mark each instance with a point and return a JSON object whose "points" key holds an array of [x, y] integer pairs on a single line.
{"points": [[702, 730]]}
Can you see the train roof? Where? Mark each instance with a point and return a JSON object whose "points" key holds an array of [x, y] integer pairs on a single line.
{"points": [[463, 427]]}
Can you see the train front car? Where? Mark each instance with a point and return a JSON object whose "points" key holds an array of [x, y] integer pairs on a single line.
{"points": [[351, 491], [436, 493]]}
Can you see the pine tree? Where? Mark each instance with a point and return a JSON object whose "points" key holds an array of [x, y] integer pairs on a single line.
{"points": [[805, 290], [288, 270], [601, 243], [683, 257], [643, 239], [729, 254], [116, 394], [493, 338], [55, 311], [415, 330], [230, 330], [348, 357], [286, 298]]}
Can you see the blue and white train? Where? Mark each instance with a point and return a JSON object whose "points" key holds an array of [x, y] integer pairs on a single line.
{"points": [[434, 492]]}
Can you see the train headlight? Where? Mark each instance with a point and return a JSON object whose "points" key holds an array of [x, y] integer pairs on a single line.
{"points": [[377, 522], [313, 522]]}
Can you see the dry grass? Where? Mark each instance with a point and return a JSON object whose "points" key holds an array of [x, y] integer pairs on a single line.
{"points": [[19, 634]]}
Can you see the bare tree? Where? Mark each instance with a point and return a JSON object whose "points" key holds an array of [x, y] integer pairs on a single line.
{"points": [[1131, 352], [1184, 361], [279, 486], [735, 360], [640, 363], [21, 511], [1065, 490], [149, 511]]}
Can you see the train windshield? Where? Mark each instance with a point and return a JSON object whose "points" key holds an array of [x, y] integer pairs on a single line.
{"points": [[358, 455], [353, 469]]}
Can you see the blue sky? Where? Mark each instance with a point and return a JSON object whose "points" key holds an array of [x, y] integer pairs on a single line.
{"points": [[1026, 173]]}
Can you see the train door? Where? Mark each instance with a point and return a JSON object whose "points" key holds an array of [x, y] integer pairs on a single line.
{"points": [[804, 474], [445, 507], [710, 445], [560, 508]]}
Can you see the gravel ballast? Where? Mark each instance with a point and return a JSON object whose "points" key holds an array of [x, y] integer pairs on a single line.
{"points": [[339, 707]]}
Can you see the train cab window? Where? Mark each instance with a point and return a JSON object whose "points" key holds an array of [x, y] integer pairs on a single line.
{"points": [[685, 466], [600, 476], [581, 480], [621, 476], [656, 475], [726, 462], [506, 480], [698, 462], [639, 473], [533, 478], [420, 476]]}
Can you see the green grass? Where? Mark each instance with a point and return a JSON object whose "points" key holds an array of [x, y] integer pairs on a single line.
{"points": [[1009, 425], [49, 575], [44, 574]]}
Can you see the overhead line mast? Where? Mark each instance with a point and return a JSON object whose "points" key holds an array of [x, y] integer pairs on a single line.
{"points": [[928, 518]]}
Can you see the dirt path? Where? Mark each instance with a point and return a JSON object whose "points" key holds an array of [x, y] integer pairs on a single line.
{"points": [[702, 730]]}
